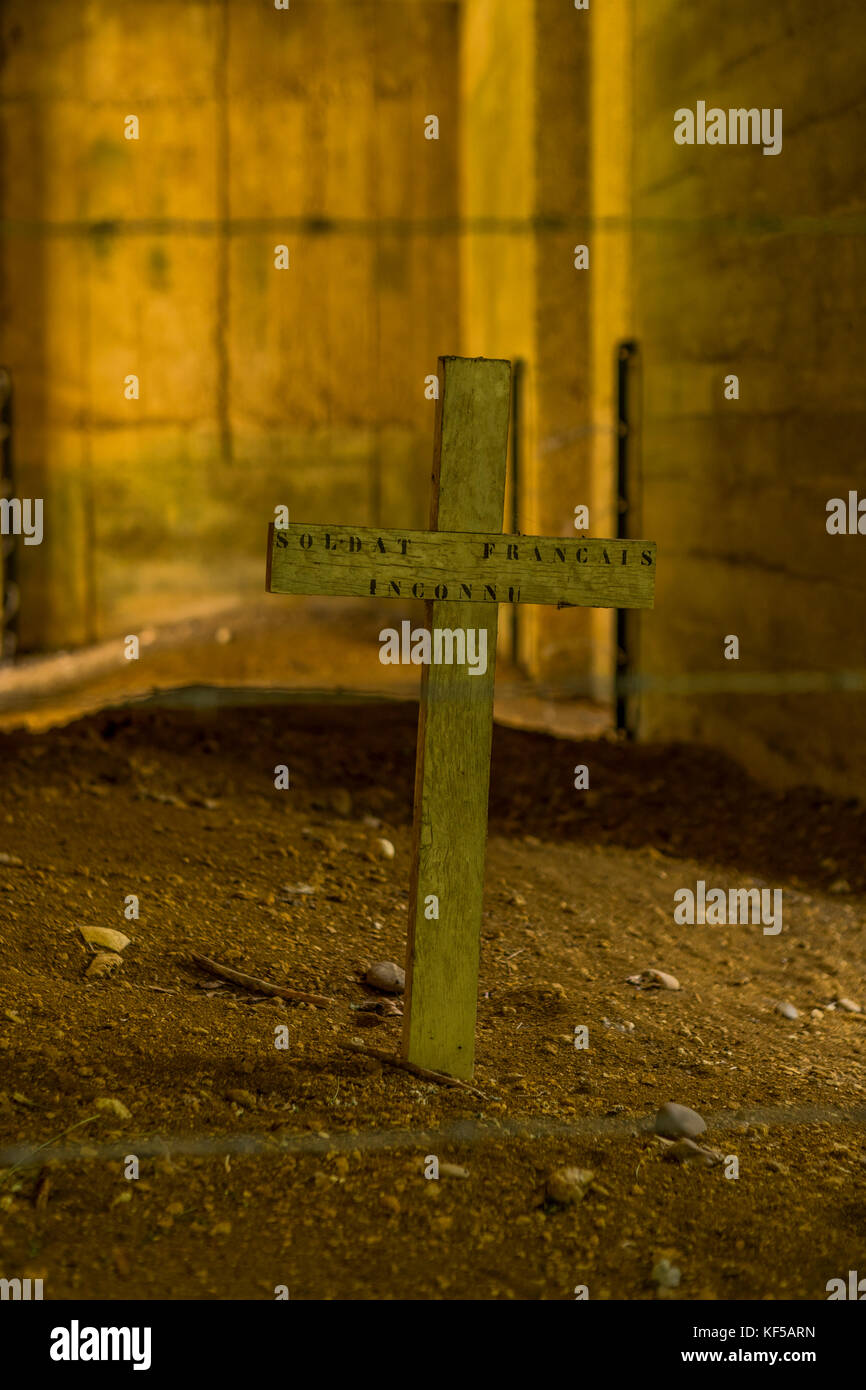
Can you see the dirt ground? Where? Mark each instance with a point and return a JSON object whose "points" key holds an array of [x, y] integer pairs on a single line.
{"points": [[304, 1168]]}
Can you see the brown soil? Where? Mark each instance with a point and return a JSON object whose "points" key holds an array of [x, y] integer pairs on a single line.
{"points": [[317, 1183]]}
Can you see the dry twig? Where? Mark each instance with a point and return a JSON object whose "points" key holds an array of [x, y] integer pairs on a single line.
{"points": [[260, 986], [437, 1076]]}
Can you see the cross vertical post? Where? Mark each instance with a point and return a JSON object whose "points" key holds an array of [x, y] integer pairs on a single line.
{"points": [[452, 770]]}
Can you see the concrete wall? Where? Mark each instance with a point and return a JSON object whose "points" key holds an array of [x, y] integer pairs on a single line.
{"points": [[754, 265], [497, 243], [259, 386], [156, 257], [526, 187], [717, 260]]}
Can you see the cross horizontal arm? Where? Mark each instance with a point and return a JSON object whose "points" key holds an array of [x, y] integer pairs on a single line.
{"points": [[460, 566]]}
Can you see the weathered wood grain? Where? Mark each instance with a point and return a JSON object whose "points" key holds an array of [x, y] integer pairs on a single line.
{"points": [[455, 567], [454, 732]]}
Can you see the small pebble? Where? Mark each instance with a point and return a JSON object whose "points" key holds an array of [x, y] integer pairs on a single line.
{"points": [[678, 1121], [687, 1151], [653, 979], [11, 861], [568, 1185], [104, 964], [849, 1005], [244, 1098], [666, 1275], [663, 980], [385, 849], [386, 976], [104, 936], [787, 1011], [341, 801], [381, 1007], [114, 1107]]}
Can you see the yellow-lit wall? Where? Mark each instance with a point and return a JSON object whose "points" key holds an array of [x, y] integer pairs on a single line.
{"points": [[526, 96], [716, 260], [497, 193], [306, 386], [754, 265], [155, 257]]}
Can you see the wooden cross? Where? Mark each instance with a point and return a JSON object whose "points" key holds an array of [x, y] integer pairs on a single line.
{"points": [[463, 567]]}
